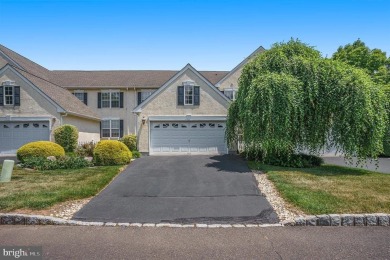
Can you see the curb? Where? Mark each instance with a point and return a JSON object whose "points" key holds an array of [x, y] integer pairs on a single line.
{"points": [[24, 219], [376, 219]]}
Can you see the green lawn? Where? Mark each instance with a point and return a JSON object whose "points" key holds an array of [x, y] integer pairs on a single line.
{"points": [[331, 189], [42, 189]]}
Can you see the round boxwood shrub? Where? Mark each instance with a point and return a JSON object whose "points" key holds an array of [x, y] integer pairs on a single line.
{"points": [[130, 141], [111, 152], [67, 136], [39, 149]]}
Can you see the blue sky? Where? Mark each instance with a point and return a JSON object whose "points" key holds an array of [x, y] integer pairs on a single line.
{"points": [[211, 35]]}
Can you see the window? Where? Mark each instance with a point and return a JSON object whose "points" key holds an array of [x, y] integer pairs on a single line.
{"points": [[81, 95], [8, 95], [188, 94], [143, 95], [111, 99], [111, 128], [230, 93]]}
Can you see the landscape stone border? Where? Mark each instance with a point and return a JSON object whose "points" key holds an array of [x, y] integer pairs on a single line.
{"points": [[378, 219]]}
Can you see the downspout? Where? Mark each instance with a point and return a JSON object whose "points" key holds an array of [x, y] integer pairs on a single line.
{"points": [[135, 115]]}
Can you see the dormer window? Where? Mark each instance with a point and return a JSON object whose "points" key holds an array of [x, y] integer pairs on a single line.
{"points": [[9, 94]]}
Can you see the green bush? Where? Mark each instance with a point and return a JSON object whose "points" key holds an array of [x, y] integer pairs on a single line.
{"points": [[130, 141], [63, 162], [294, 160], [85, 149], [39, 149], [136, 154], [111, 152], [67, 136]]}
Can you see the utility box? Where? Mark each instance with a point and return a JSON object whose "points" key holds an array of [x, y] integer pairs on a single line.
{"points": [[6, 171]]}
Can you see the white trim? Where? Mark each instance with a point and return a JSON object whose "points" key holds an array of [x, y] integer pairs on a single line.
{"points": [[20, 119], [188, 118], [5, 95], [175, 77]]}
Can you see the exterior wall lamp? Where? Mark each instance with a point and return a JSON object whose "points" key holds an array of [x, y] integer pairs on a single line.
{"points": [[143, 120]]}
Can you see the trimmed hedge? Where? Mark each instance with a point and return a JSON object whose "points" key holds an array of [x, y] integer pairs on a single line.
{"points": [[130, 141], [40, 149], [111, 152], [63, 162], [67, 136]]}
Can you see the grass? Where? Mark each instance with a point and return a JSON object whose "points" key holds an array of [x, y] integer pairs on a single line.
{"points": [[331, 189], [43, 189]]}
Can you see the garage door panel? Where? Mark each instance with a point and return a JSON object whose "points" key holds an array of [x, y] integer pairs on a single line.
{"points": [[193, 137], [13, 135]]}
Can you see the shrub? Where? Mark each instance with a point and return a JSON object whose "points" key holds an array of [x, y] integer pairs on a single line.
{"points": [[136, 154], [130, 141], [294, 160], [63, 162], [39, 149], [110, 152], [67, 136], [85, 149]]}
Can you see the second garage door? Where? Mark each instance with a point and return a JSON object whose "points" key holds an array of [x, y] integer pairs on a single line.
{"points": [[188, 138]]}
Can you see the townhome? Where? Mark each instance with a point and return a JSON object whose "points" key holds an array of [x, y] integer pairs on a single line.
{"points": [[171, 112]]}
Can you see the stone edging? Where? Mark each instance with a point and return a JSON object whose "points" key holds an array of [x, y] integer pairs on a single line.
{"points": [[24, 219], [377, 219]]}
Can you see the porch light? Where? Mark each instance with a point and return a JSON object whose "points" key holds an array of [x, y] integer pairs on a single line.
{"points": [[143, 120]]}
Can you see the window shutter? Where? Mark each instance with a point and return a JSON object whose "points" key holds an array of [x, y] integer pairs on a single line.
{"points": [[121, 99], [101, 132], [180, 95], [1, 96], [196, 96], [99, 100], [121, 128], [17, 96], [139, 98], [86, 98]]}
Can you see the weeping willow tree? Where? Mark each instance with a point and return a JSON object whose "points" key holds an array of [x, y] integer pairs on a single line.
{"points": [[290, 99]]}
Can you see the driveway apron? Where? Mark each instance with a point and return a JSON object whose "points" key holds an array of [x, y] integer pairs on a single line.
{"points": [[182, 189]]}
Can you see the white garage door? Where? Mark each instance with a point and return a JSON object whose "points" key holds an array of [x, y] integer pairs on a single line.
{"points": [[15, 134], [188, 138]]}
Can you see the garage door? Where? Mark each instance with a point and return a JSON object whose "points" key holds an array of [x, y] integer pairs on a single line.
{"points": [[15, 134], [188, 137]]}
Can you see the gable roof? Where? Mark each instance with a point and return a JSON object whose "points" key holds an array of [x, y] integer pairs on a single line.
{"points": [[19, 61], [122, 78], [60, 96], [172, 79], [39, 77], [241, 64]]}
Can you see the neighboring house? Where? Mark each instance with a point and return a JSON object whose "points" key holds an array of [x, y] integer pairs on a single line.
{"points": [[171, 112], [32, 105]]}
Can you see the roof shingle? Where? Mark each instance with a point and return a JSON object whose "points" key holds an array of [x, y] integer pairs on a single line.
{"points": [[122, 78]]}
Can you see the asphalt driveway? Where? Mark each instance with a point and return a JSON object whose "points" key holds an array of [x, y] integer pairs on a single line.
{"points": [[182, 189]]}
